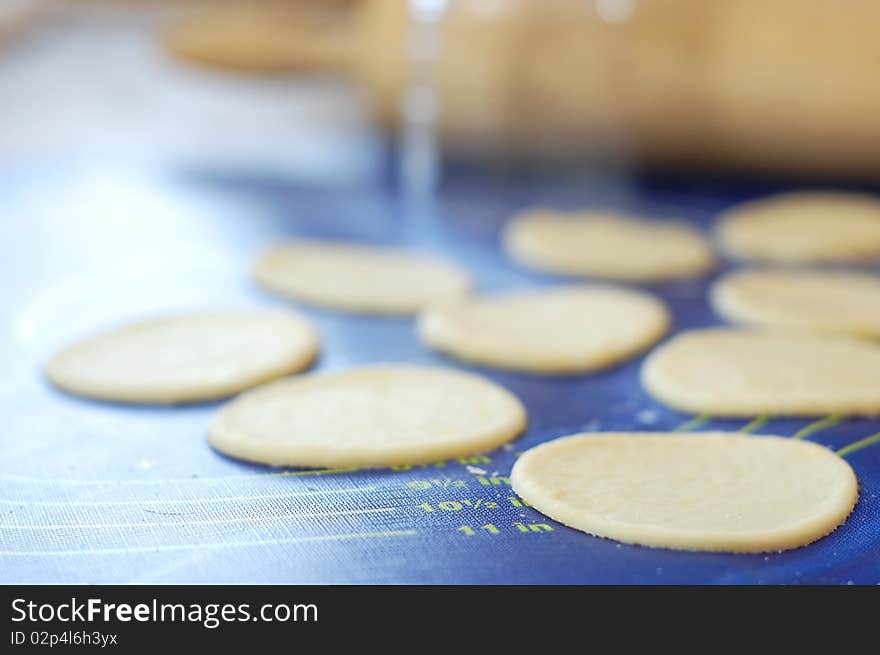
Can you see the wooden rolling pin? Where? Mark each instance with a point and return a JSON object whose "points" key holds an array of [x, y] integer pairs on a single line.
{"points": [[787, 85]]}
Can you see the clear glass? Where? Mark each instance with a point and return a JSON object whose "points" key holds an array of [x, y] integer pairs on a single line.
{"points": [[515, 88]]}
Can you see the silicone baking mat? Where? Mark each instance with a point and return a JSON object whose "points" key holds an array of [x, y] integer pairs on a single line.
{"points": [[101, 493]]}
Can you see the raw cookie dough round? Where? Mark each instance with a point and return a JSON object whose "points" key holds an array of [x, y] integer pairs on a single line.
{"points": [[566, 330], [368, 280], [186, 358], [804, 227], [608, 246], [818, 301], [738, 372], [380, 415], [710, 491]]}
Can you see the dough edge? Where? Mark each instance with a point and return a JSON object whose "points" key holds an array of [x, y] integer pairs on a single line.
{"points": [[795, 536], [152, 395], [734, 244], [436, 331], [264, 274], [726, 300], [238, 445], [666, 393], [516, 240]]}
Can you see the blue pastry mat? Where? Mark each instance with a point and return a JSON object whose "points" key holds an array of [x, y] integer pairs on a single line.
{"points": [[101, 493]]}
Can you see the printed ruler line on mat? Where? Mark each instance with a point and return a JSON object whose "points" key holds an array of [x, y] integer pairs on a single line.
{"points": [[694, 423], [182, 501], [818, 426], [859, 445], [247, 519], [227, 478], [212, 546], [755, 424]]}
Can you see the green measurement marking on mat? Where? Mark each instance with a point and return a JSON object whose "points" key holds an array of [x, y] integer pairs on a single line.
{"points": [[754, 424], [694, 423], [859, 445], [516, 527], [818, 426]]}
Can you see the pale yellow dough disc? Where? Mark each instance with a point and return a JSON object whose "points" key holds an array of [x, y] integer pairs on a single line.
{"points": [[596, 244], [186, 358], [819, 301], [733, 372], [368, 280], [711, 491], [804, 227], [566, 330], [372, 416]]}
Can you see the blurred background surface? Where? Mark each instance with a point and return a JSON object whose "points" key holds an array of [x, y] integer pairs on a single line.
{"points": [[325, 87]]}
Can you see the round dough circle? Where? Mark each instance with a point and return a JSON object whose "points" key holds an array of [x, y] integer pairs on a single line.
{"points": [[607, 246], [186, 358], [360, 279], [710, 491], [818, 301], [567, 330], [731, 372], [804, 227], [380, 415]]}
